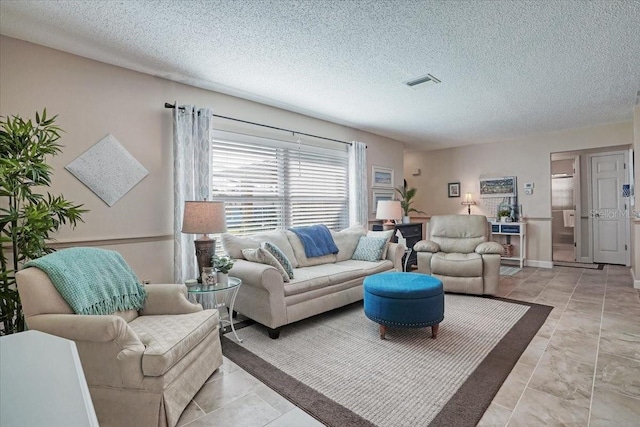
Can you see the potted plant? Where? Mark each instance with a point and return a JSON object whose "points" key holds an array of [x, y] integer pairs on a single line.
{"points": [[407, 195], [223, 265], [27, 218], [504, 213]]}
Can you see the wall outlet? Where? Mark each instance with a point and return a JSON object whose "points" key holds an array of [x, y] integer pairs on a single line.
{"points": [[528, 191], [528, 185]]}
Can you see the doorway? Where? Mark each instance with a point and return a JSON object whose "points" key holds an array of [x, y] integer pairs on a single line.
{"points": [[564, 179], [589, 205]]}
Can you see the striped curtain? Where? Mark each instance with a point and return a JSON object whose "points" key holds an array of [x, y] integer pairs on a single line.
{"points": [[192, 131]]}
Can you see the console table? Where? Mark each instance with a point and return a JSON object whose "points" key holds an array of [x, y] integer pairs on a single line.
{"points": [[509, 229]]}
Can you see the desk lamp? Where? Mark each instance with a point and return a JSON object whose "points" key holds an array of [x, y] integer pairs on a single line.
{"points": [[468, 201]]}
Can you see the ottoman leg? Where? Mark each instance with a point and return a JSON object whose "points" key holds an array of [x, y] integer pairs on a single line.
{"points": [[434, 331], [383, 331]]}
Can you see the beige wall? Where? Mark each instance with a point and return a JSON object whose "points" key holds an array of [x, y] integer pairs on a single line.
{"points": [[93, 99], [528, 158], [635, 235]]}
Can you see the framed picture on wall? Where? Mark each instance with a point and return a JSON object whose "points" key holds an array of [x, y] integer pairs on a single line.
{"points": [[382, 177], [504, 186], [378, 195], [454, 189]]}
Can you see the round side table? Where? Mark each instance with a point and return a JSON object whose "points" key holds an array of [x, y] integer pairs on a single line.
{"points": [[218, 296]]}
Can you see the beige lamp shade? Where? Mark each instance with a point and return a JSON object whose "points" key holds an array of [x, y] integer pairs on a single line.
{"points": [[468, 202], [204, 217], [388, 209], [468, 199]]}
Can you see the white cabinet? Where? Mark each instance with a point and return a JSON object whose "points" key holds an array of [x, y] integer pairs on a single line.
{"points": [[504, 231]]}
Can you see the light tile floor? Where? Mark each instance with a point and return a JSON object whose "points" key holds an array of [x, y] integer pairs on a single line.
{"points": [[564, 252], [581, 369]]}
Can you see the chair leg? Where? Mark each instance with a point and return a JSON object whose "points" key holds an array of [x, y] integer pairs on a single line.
{"points": [[434, 331], [383, 331]]}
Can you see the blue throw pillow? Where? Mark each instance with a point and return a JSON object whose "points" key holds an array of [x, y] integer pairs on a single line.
{"points": [[369, 248], [280, 256]]}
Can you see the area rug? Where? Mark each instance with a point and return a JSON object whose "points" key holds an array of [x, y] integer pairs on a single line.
{"points": [[508, 271], [578, 265], [336, 368]]}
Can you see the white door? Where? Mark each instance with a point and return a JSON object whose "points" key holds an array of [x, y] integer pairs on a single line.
{"points": [[608, 211]]}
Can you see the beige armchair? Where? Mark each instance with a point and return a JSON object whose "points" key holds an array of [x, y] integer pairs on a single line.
{"points": [[143, 368], [459, 252]]}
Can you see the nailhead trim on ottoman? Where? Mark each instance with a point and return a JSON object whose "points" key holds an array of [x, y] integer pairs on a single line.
{"points": [[404, 300]]}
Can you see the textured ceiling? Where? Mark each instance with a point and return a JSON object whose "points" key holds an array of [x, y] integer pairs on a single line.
{"points": [[508, 68]]}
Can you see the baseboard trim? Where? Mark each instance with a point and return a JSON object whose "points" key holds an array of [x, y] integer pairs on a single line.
{"points": [[539, 264], [636, 281]]}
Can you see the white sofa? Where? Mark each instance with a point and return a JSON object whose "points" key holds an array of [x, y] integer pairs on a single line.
{"points": [[319, 284]]}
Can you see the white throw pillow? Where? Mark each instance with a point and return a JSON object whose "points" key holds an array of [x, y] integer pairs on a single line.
{"points": [[263, 256]]}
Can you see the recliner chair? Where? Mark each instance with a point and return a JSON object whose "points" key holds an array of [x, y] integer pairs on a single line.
{"points": [[458, 251]]}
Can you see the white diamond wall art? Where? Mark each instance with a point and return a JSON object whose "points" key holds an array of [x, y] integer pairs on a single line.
{"points": [[108, 169]]}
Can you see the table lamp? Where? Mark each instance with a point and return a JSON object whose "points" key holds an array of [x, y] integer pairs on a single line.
{"points": [[388, 210], [468, 201], [203, 217]]}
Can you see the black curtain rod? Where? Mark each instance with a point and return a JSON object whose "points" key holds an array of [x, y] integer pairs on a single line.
{"points": [[167, 105]]}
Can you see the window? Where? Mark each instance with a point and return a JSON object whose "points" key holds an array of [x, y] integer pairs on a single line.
{"points": [[268, 184]]}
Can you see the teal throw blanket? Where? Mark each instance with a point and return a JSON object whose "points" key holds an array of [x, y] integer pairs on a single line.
{"points": [[93, 281]]}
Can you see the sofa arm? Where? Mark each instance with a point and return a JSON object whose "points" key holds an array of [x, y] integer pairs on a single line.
{"points": [[489, 248], [395, 252], [258, 275], [81, 327], [426, 246], [167, 299]]}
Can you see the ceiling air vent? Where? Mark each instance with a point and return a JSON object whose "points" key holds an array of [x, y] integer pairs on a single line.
{"points": [[420, 82]]}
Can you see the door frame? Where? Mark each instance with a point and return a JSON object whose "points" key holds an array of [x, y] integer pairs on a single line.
{"points": [[577, 206]]}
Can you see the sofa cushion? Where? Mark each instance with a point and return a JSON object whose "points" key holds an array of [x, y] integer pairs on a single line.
{"points": [[263, 256], [320, 276], [168, 338], [346, 240], [233, 245], [280, 256], [370, 248], [459, 265], [298, 250]]}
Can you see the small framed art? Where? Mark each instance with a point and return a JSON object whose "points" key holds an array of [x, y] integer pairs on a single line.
{"points": [[379, 195], [382, 177], [453, 189], [504, 186]]}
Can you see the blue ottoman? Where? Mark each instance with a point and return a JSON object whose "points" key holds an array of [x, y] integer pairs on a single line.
{"points": [[404, 300]]}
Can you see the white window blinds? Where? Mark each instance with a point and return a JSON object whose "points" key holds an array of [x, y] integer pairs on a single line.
{"points": [[268, 184]]}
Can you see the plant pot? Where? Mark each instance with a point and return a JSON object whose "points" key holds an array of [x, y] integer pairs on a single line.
{"points": [[406, 219], [503, 218], [223, 278]]}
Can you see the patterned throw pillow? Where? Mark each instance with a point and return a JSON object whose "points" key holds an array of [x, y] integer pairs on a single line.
{"points": [[387, 234], [264, 257], [280, 256], [369, 249]]}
